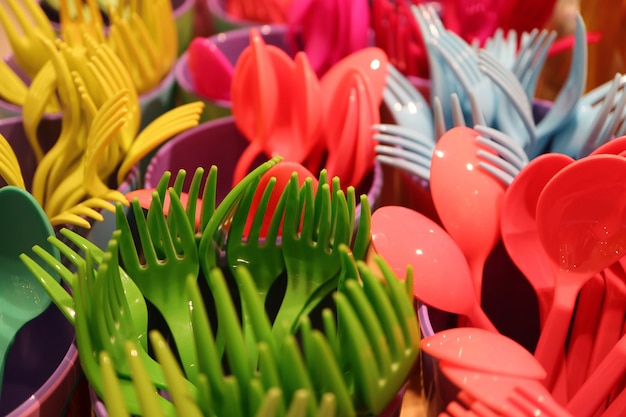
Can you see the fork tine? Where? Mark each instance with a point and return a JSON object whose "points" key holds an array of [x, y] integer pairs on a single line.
{"points": [[393, 151], [439, 120], [503, 144], [402, 304], [209, 361], [610, 128], [59, 295], [178, 390], [410, 167], [457, 112], [112, 393], [357, 344], [498, 168], [373, 330], [228, 320], [130, 252]]}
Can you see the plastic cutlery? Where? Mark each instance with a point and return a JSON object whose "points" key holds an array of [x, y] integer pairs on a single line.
{"points": [[482, 350], [468, 200], [518, 225], [511, 396], [254, 100], [373, 63], [580, 239], [441, 274]]}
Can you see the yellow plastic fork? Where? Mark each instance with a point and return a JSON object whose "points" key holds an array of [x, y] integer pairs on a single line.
{"points": [[24, 33], [9, 165], [131, 41], [110, 75], [84, 179], [66, 151], [87, 20], [12, 89], [40, 97]]}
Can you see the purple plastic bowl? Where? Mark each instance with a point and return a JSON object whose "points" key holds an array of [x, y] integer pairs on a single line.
{"points": [[42, 369], [231, 43], [220, 143]]}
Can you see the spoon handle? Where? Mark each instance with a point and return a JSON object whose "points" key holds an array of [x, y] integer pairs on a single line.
{"points": [[584, 331], [551, 345], [609, 328], [480, 319], [600, 382]]}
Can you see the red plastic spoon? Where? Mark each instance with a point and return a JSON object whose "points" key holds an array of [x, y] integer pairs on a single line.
{"points": [[518, 225], [442, 277], [580, 219], [482, 350]]}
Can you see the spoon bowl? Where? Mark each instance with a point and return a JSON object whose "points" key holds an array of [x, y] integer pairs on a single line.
{"points": [[481, 350], [468, 200], [519, 227], [23, 298], [441, 274]]}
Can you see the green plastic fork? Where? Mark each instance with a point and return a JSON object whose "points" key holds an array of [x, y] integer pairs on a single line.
{"points": [[210, 246], [198, 221], [160, 279], [87, 345], [136, 300], [376, 320], [310, 257], [113, 325], [263, 255]]}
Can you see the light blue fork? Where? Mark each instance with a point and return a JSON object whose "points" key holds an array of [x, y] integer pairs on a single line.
{"points": [[406, 104], [530, 59], [562, 109], [515, 116], [593, 124]]}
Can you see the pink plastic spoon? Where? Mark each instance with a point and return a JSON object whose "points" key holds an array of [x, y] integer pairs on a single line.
{"points": [[468, 200], [482, 350], [369, 115], [442, 277], [211, 72], [580, 219], [518, 225]]}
